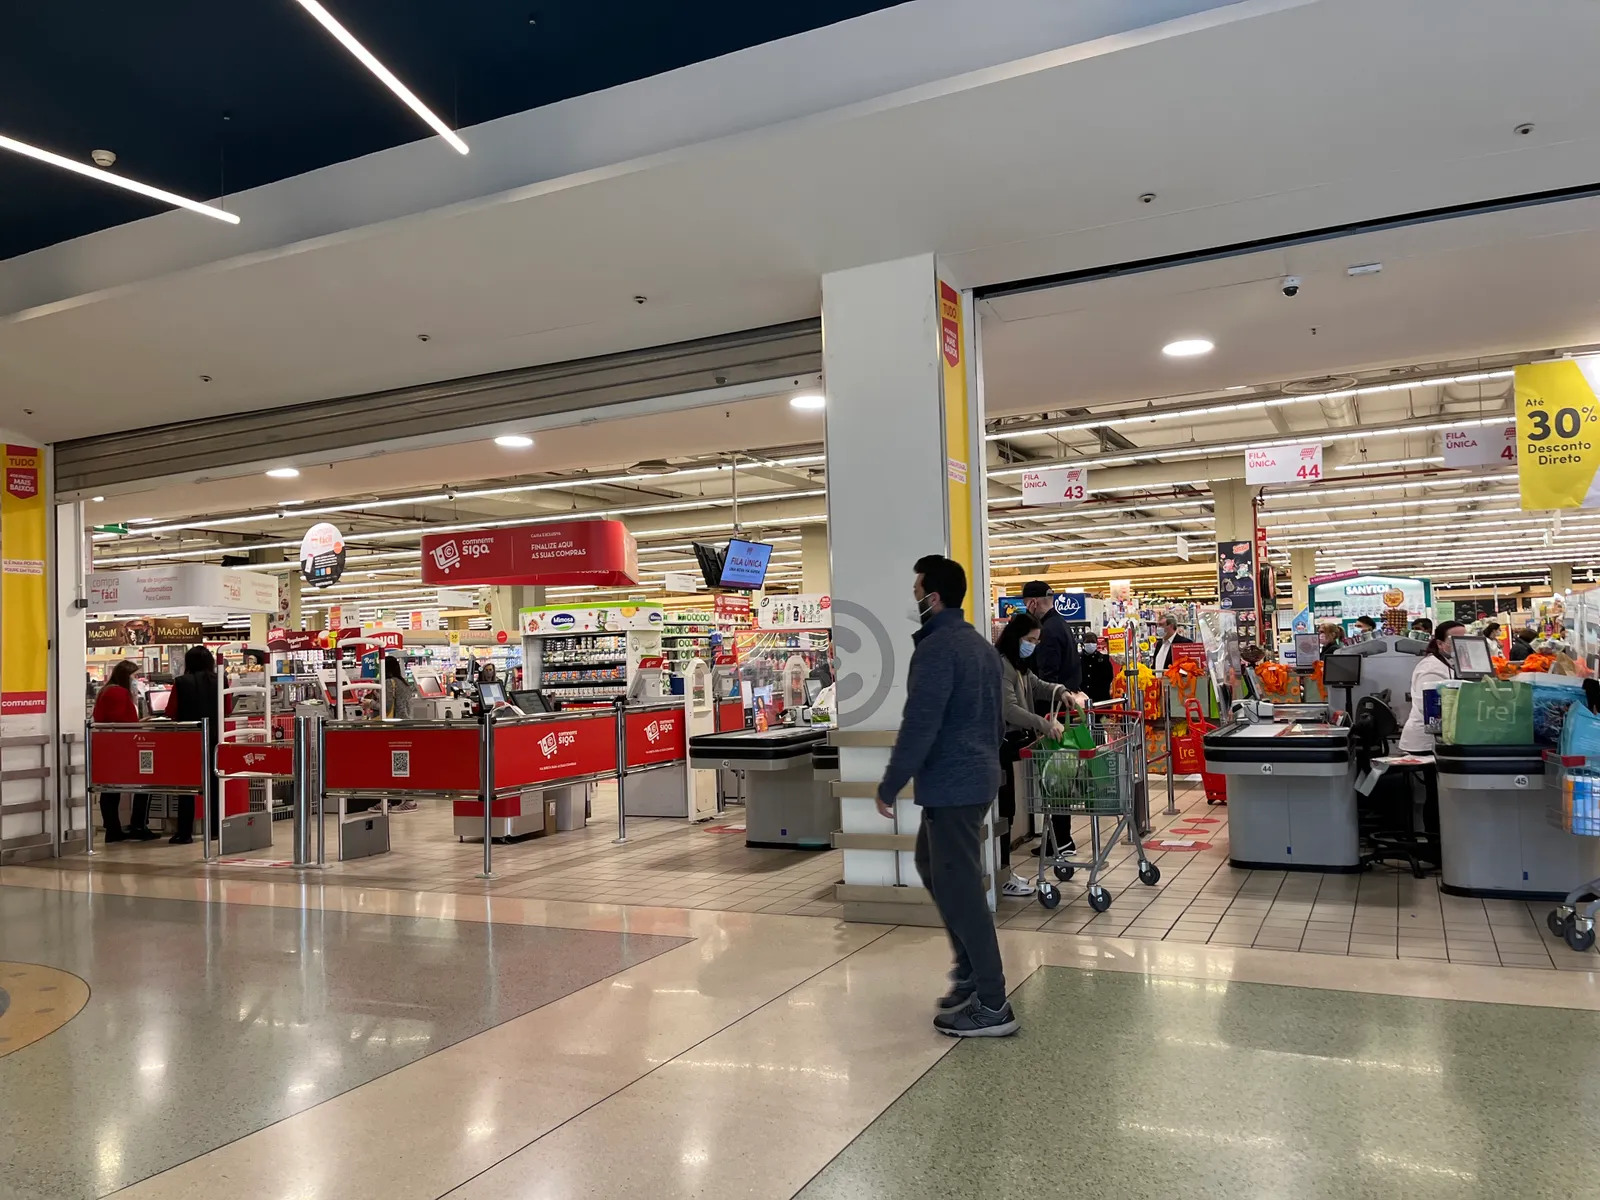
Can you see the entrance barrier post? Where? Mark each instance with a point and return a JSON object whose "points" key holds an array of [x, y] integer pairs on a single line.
{"points": [[620, 706], [486, 787], [322, 791], [88, 789], [1166, 719], [302, 792], [207, 783]]}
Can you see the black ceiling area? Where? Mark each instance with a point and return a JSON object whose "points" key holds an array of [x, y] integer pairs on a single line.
{"points": [[205, 99]]}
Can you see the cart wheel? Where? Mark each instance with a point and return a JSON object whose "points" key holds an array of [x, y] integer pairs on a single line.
{"points": [[1099, 898], [1049, 895], [1063, 873], [1557, 922], [1578, 939], [1149, 873]]}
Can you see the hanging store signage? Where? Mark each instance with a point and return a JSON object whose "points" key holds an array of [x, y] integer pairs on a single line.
{"points": [[1481, 446], [1072, 606], [732, 610], [1300, 462], [557, 553], [152, 631], [187, 589], [322, 555], [1558, 433], [24, 591], [813, 611], [1236, 576], [555, 620], [1057, 486], [681, 583]]}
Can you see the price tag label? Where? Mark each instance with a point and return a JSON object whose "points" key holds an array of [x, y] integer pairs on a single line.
{"points": [[1060, 486], [1558, 433], [1297, 463]]}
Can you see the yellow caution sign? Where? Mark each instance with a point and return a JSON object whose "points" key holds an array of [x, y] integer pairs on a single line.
{"points": [[1558, 433]]}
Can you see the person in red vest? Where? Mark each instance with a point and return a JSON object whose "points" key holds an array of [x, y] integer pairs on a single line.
{"points": [[115, 706]]}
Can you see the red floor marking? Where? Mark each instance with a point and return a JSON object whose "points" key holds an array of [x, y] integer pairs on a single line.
{"points": [[1158, 844], [725, 829], [1202, 820]]}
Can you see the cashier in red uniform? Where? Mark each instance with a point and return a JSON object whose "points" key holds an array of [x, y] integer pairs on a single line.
{"points": [[115, 705]]}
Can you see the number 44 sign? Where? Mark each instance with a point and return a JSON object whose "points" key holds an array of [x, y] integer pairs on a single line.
{"points": [[1297, 463]]}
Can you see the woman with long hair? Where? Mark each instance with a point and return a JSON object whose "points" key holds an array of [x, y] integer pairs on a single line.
{"points": [[115, 705], [1432, 669], [194, 698], [1022, 693]]}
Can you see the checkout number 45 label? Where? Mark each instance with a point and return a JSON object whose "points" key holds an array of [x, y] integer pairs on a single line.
{"points": [[1558, 433]]}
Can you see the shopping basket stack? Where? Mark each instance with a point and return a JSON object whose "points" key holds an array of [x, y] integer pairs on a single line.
{"points": [[1087, 772]]}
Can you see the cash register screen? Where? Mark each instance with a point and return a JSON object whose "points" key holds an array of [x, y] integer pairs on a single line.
{"points": [[530, 702], [1342, 670], [492, 693], [1473, 659]]}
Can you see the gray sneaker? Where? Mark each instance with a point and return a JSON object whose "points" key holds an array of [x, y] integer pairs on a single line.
{"points": [[963, 993], [977, 1021]]}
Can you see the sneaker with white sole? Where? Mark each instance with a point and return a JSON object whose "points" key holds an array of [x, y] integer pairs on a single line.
{"points": [[978, 1021], [1017, 886]]}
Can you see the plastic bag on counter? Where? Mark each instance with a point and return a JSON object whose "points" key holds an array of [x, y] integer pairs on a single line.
{"points": [[1580, 732], [1491, 712], [1552, 694]]}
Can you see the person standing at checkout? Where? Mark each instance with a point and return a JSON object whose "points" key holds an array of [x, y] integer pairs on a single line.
{"points": [[949, 744], [1057, 661]]}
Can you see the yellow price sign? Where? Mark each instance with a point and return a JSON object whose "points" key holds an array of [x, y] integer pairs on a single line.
{"points": [[455, 637], [1558, 433]]}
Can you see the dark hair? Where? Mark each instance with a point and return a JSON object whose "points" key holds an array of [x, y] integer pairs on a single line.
{"points": [[1528, 634], [1492, 629], [392, 668], [1426, 625], [197, 660], [1436, 642], [943, 576], [1022, 623], [122, 674], [1367, 621]]}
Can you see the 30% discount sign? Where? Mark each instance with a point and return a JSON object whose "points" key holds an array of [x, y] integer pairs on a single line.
{"points": [[1558, 433]]}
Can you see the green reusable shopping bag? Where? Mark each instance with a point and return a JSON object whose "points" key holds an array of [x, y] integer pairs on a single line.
{"points": [[1066, 774], [1492, 712]]}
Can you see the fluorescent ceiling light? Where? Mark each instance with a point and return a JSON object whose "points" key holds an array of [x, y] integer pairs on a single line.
{"points": [[514, 441], [809, 401], [366, 58], [121, 181], [1188, 348], [283, 473], [97, 499]]}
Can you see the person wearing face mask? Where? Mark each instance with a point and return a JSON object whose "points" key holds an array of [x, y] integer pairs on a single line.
{"points": [[949, 743], [1056, 660], [1099, 672], [1170, 637], [1432, 669], [1025, 694]]}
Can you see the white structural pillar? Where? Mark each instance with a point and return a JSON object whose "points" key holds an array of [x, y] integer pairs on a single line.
{"points": [[905, 462], [1302, 566], [816, 576], [1561, 577]]}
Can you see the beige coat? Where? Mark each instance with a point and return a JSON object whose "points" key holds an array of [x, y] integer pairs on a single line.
{"points": [[1022, 691]]}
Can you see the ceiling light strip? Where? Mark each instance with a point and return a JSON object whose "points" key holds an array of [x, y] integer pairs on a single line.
{"points": [[121, 181]]}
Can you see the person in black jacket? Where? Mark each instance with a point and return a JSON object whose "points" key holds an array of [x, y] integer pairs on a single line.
{"points": [[1098, 670], [1056, 660], [194, 698]]}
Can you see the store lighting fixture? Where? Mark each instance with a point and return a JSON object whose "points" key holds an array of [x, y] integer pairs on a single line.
{"points": [[283, 473], [1430, 460], [1188, 348], [514, 441], [97, 499], [809, 401], [121, 181], [366, 58]]}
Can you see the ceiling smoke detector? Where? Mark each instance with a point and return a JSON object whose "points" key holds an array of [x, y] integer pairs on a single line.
{"points": [[104, 159]]}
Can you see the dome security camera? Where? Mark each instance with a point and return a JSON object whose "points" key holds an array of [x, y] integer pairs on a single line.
{"points": [[1291, 286]]}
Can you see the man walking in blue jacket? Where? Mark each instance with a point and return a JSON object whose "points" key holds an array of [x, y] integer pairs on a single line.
{"points": [[949, 744]]}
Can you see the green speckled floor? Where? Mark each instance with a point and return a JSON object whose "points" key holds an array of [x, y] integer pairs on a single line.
{"points": [[1126, 1086]]}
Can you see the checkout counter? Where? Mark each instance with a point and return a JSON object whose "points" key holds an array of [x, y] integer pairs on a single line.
{"points": [[1291, 795], [789, 801]]}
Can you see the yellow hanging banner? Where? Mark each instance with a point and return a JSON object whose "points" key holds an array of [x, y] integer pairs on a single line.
{"points": [[24, 601], [1558, 433], [959, 467]]}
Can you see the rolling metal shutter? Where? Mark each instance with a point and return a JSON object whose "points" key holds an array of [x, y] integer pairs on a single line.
{"points": [[592, 384]]}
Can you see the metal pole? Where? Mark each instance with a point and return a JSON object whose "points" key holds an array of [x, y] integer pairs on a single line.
{"points": [[1166, 719], [302, 792], [322, 824], [205, 794], [622, 772], [486, 787], [88, 792]]}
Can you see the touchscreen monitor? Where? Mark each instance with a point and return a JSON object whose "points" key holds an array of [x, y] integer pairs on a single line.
{"points": [[1342, 670], [1473, 657], [492, 693]]}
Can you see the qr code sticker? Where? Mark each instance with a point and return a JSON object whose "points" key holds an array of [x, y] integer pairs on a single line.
{"points": [[147, 762], [400, 763]]}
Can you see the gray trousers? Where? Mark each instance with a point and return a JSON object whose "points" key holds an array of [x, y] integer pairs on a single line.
{"points": [[950, 861]]}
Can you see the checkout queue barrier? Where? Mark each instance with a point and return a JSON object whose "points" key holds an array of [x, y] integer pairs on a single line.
{"points": [[248, 753], [492, 769], [158, 758]]}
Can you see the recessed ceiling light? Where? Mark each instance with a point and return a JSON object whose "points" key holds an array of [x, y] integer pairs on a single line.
{"points": [[1188, 348], [808, 401], [366, 58], [97, 499], [283, 473], [132, 185], [1239, 387], [286, 503], [514, 441]]}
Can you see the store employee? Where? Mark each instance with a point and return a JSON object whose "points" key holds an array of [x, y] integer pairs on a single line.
{"points": [[1170, 637], [1057, 659]]}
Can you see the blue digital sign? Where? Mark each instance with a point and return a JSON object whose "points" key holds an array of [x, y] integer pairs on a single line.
{"points": [[746, 564]]}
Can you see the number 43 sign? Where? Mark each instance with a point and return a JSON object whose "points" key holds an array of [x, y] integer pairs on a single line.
{"points": [[1297, 463], [1558, 433]]}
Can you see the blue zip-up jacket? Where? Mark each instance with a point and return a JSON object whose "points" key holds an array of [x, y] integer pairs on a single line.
{"points": [[954, 718]]}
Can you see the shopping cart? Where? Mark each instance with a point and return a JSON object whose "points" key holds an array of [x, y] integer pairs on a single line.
{"points": [[1574, 805], [1100, 782]]}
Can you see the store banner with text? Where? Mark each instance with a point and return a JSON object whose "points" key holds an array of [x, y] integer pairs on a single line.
{"points": [[1481, 445], [145, 631], [1236, 576], [1059, 486], [1558, 433], [960, 467], [1297, 463], [24, 598]]}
